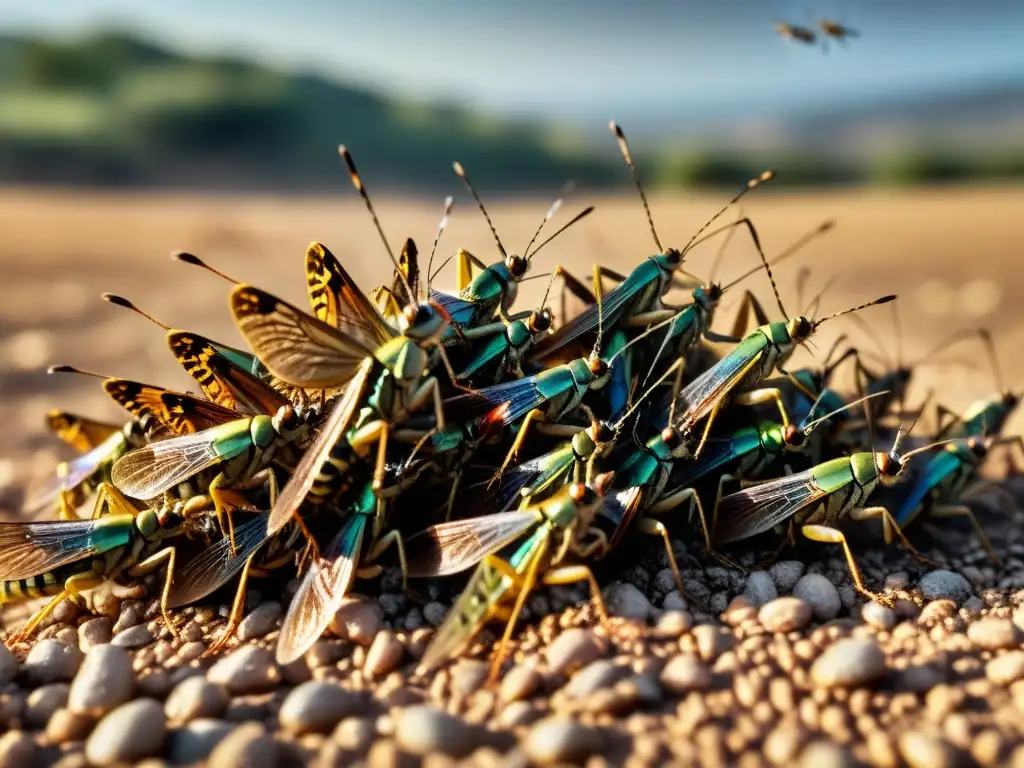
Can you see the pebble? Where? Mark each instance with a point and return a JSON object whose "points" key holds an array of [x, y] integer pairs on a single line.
{"points": [[786, 573], [760, 588], [44, 701], [16, 749], [250, 669], [138, 636], [98, 631], [50, 661], [469, 675], [945, 585], [674, 601], [316, 707], [556, 741], [193, 742], [879, 616], [597, 675], [1006, 668], [423, 730], [922, 750], [247, 746], [572, 649], [357, 620], [625, 600], [384, 654], [65, 725], [825, 754], [520, 683], [819, 593], [785, 614], [260, 622], [712, 641], [852, 662], [685, 673], [434, 613], [104, 681], [993, 634], [8, 665], [672, 624], [355, 734], [195, 698], [131, 732]]}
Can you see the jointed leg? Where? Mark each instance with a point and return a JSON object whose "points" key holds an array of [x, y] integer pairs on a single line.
{"points": [[73, 587], [571, 574], [764, 395], [959, 510], [149, 565], [237, 609], [517, 444], [889, 527], [828, 535], [391, 538], [525, 586]]}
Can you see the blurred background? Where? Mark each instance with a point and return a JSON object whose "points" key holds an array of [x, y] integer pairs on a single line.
{"points": [[128, 130]]}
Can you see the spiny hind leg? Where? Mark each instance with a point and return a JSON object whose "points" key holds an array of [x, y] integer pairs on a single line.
{"points": [[237, 609], [829, 535], [73, 587], [889, 528], [960, 510], [110, 501], [151, 564]]}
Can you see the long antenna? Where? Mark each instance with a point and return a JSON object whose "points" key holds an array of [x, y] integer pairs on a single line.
{"points": [[624, 149], [767, 267], [579, 216], [794, 248], [569, 185], [722, 248], [189, 258], [883, 300], [79, 371], [766, 176], [871, 334], [810, 426], [990, 348], [469, 185], [120, 301], [815, 303], [448, 201], [357, 182]]}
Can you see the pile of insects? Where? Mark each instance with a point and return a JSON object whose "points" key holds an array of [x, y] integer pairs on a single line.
{"points": [[459, 433]]}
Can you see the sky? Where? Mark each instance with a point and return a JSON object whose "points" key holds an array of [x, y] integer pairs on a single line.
{"points": [[583, 60]]}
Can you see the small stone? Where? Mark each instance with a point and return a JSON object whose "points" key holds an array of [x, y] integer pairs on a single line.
{"points": [[572, 649], [316, 707], [384, 654], [95, 632], [131, 732], [674, 601], [355, 734], [138, 636], [17, 749], [1006, 668], [423, 730], [850, 663], [250, 669], [557, 741], [44, 701], [192, 650], [712, 641], [673, 624], [194, 741], [785, 574], [782, 744], [923, 750], [760, 588], [195, 698], [104, 681], [65, 725], [945, 585], [819, 593], [685, 673], [627, 601], [434, 613], [785, 614], [879, 616], [8, 665], [260, 622], [51, 662], [357, 620], [825, 754], [247, 746], [593, 677], [519, 683], [994, 634]]}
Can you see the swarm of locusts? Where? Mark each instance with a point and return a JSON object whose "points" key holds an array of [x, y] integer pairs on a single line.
{"points": [[458, 433]]}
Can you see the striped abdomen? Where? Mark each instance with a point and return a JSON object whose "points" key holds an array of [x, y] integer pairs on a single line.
{"points": [[46, 584]]}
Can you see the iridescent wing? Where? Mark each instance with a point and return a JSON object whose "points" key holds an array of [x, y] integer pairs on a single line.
{"points": [[452, 547], [761, 507], [699, 396], [32, 549]]}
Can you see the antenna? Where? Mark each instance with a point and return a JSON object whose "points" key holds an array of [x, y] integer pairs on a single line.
{"points": [[120, 301], [79, 371], [764, 261], [189, 258], [357, 182], [721, 249], [877, 342], [581, 215], [469, 185], [569, 185], [792, 249], [766, 176], [810, 426], [990, 348], [883, 300], [437, 237], [624, 148]]}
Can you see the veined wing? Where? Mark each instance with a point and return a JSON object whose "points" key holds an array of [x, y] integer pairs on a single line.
{"points": [[337, 301], [621, 508], [179, 413], [699, 396], [147, 472], [452, 547], [323, 587], [71, 474], [503, 403], [480, 355], [79, 432], [296, 347], [460, 310], [221, 377], [31, 549], [302, 478], [218, 564], [718, 451], [761, 507]]}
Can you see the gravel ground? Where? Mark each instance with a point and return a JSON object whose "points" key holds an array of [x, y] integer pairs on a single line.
{"points": [[783, 668]]}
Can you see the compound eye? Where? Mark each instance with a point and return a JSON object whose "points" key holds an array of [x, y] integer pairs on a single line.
{"points": [[541, 320], [674, 256], [577, 492], [516, 266], [598, 367], [670, 436]]}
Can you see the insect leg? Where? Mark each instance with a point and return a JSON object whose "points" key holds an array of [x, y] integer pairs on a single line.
{"points": [[391, 538], [67, 509], [464, 263], [748, 304], [889, 526], [829, 535], [237, 609], [525, 583], [759, 396], [149, 565], [73, 587], [571, 574], [513, 454], [959, 510]]}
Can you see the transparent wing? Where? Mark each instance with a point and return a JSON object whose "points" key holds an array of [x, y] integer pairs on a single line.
{"points": [[31, 549], [452, 547], [760, 508], [73, 473], [147, 472], [460, 310], [699, 396], [505, 403]]}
